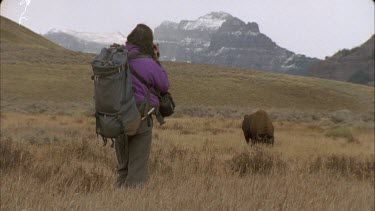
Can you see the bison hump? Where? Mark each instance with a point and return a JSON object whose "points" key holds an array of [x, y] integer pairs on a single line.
{"points": [[261, 123]]}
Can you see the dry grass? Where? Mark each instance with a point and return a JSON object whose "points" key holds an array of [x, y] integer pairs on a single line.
{"points": [[342, 132], [52, 162]]}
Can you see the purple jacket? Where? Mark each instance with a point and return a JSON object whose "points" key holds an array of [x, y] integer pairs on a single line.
{"points": [[153, 73]]}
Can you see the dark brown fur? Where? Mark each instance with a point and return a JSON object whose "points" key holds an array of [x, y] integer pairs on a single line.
{"points": [[258, 128]]}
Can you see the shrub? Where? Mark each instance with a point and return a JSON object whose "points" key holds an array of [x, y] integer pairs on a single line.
{"points": [[344, 166], [342, 132], [11, 156], [257, 161]]}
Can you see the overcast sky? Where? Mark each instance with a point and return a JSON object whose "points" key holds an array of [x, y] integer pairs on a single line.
{"points": [[316, 28]]}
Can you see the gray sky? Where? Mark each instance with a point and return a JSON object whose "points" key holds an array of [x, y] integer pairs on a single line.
{"points": [[316, 28]]}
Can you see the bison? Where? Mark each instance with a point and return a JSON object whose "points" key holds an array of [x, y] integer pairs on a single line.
{"points": [[258, 128]]}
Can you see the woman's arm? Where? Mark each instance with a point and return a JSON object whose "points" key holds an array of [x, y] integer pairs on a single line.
{"points": [[160, 78]]}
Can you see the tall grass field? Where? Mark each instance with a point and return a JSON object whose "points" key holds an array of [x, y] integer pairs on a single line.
{"points": [[52, 162]]}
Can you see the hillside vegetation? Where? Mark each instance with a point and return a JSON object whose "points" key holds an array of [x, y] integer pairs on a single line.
{"points": [[353, 65], [20, 45]]}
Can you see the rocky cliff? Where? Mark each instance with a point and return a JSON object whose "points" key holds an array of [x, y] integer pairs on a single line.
{"points": [[219, 38]]}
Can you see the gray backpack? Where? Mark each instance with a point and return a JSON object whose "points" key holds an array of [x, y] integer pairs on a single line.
{"points": [[115, 107]]}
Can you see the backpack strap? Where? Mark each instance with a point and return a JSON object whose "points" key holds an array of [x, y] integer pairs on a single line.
{"points": [[138, 55], [143, 81]]}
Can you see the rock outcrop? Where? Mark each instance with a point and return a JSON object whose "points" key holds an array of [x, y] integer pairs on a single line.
{"points": [[221, 39]]}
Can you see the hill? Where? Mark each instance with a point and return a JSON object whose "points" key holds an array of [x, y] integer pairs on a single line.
{"points": [[20, 45], [37, 75], [355, 65]]}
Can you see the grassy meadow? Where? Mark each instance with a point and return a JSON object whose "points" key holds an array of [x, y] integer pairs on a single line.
{"points": [[52, 162], [191, 85]]}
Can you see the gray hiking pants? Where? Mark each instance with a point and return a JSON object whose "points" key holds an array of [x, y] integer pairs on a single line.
{"points": [[132, 154]]}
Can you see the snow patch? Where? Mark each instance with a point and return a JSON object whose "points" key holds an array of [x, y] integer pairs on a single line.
{"points": [[239, 33], [169, 24], [222, 50], [287, 64], [292, 66], [212, 24], [211, 21], [289, 59], [252, 33], [187, 41]]}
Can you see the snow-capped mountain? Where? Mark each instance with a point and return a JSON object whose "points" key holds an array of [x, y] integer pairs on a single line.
{"points": [[215, 38], [219, 38], [211, 21], [84, 41]]}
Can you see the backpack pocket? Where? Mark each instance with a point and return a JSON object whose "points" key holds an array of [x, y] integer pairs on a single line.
{"points": [[131, 119], [109, 126], [108, 92]]}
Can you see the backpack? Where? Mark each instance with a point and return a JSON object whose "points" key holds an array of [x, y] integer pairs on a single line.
{"points": [[116, 111]]}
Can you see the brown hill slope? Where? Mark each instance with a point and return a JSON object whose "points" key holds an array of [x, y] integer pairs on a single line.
{"points": [[20, 45], [41, 74], [355, 65]]}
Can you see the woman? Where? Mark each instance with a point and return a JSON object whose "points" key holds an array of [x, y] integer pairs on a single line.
{"points": [[133, 153]]}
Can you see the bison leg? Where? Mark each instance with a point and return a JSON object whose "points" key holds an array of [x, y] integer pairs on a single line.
{"points": [[253, 141], [259, 139], [269, 140], [247, 138], [272, 140]]}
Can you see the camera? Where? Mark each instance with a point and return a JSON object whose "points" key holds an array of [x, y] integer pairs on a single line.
{"points": [[156, 50]]}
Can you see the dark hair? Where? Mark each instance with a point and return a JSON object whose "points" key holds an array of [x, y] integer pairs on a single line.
{"points": [[142, 37]]}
